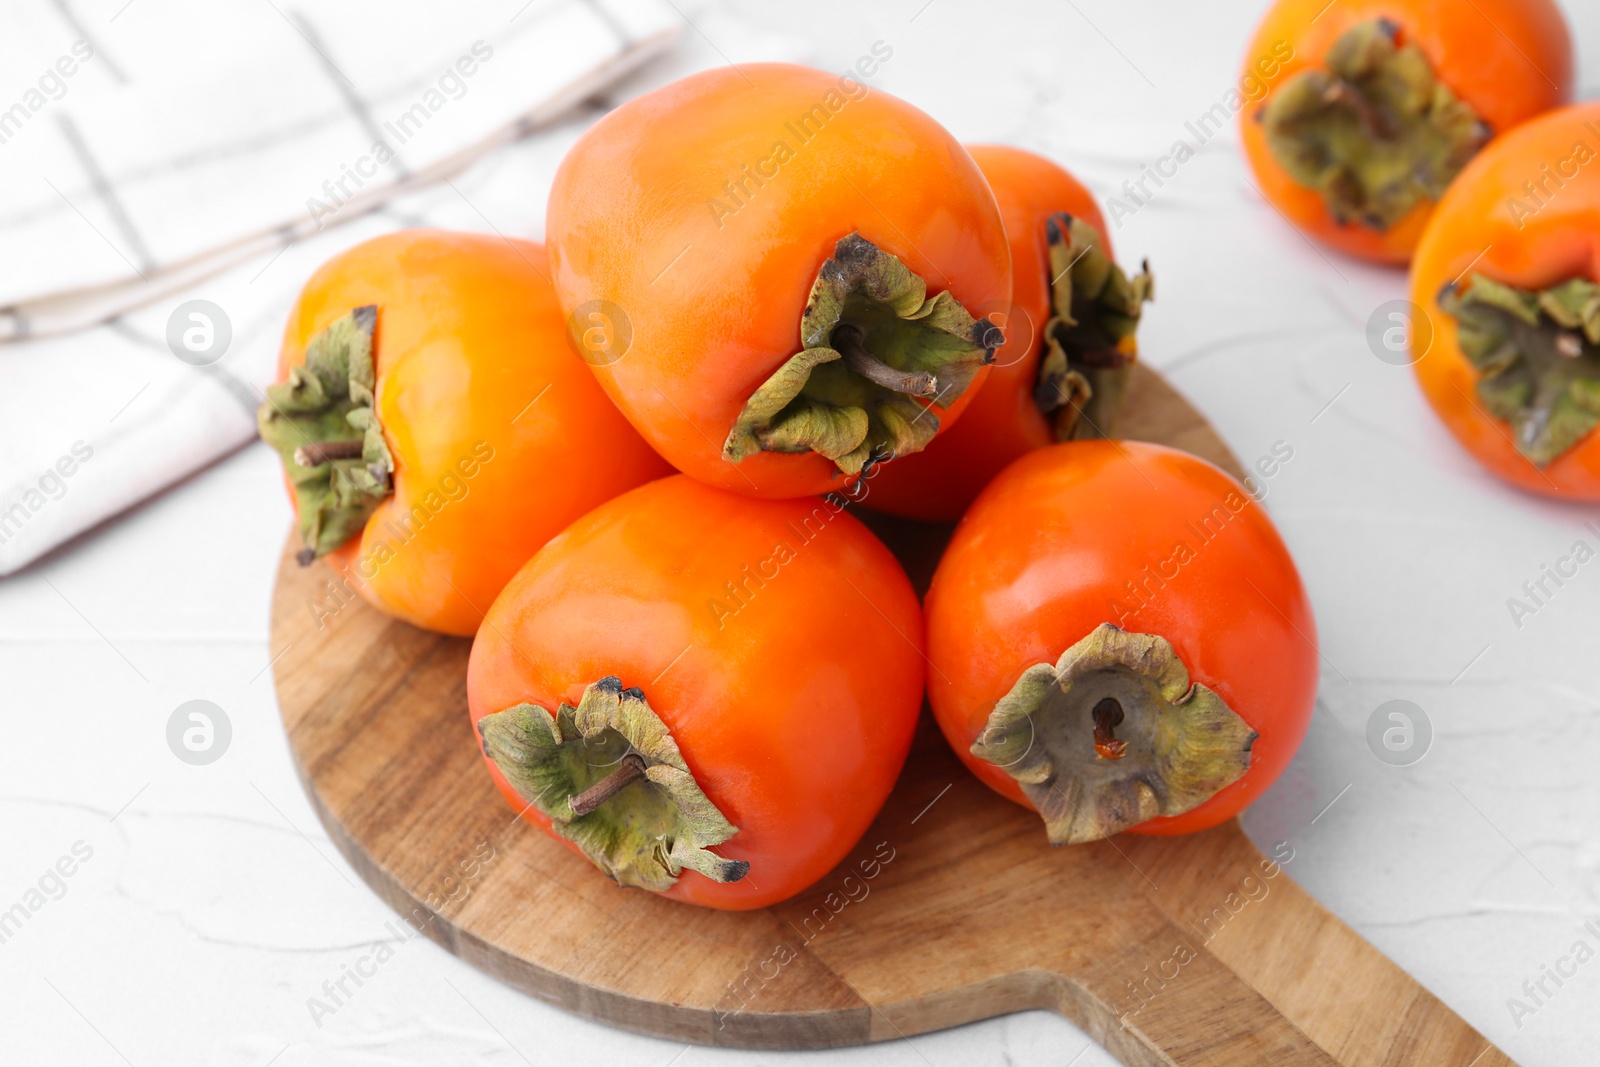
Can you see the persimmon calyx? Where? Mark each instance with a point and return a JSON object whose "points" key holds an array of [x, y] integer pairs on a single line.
{"points": [[1114, 735], [323, 423], [1374, 131], [1538, 357], [879, 358], [611, 779], [1089, 340]]}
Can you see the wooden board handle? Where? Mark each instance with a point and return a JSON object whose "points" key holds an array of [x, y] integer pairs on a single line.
{"points": [[1089, 940], [1194, 951], [1319, 975], [1183, 1008]]}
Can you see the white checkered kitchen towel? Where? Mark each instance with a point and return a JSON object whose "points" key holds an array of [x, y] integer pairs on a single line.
{"points": [[148, 150], [178, 150]]}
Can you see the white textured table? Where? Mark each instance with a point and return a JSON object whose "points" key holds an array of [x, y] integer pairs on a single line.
{"points": [[205, 907]]}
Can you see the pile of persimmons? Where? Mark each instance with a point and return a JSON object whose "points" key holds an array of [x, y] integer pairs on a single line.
{"points": [[627, 461]]}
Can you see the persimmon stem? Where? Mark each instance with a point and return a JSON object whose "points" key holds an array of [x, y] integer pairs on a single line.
{"points": [[320, 452], [645, 837], [632, 770], [1054, 734], [850, 342], [1107, 714], [1341, 91], [881, 359]]}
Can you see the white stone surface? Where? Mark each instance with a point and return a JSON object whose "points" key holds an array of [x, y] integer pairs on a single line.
{"points": [[213, 905]]}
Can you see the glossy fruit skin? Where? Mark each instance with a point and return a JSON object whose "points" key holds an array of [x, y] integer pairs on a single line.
{"points": [[638, 191], [794, 712], [1509, 59], [1002, 422], [469, 335], [1041, 558], [1557, 241]]}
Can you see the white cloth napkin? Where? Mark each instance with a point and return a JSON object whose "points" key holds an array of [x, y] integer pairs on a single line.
{"points": [[183, 137], [94, 421]]}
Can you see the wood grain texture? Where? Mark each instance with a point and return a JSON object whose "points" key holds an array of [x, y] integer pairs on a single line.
{"points": [[1188, 951]]}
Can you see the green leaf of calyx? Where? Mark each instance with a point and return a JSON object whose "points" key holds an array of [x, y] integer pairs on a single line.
{"points": [[1169, 745], [1374, 131], [879, 359], [643, 834], [1538, 358], [323, 424], [1089, 340]]}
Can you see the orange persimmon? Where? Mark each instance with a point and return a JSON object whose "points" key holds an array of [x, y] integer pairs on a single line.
{"points": [[1507, 280], [435, 427], [1068, 351], [1357, 115], [1118, 638], [688, 669], [778, 274]]}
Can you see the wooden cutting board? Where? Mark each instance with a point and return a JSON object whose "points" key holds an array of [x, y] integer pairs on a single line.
{"points": [[1193, 951]]}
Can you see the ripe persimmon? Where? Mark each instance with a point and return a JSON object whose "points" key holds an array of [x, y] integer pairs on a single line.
{"points": [[1507, 280], [434, 425], [1372, 107], [1069, 348], [1118, 638], [784, 275], [688, 669]]}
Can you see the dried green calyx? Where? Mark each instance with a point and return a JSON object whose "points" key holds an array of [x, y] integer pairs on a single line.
{"points": [[323, 423], [1114, 735], [1089, 340], [880, 358], [1538, 354], [611, 779], [1375, 132]]}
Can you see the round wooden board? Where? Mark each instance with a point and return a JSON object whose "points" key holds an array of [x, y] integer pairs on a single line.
{"points": [[951, 909]]}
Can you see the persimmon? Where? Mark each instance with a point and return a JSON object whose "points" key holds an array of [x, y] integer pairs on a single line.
{"points": [[434, 426], [1068, 352], [1118, 639], [1372, 107], [686, 670], [1507, 345], [789, 274]]}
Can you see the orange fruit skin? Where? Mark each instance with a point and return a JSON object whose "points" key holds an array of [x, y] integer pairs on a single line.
{"points": [[469, 335], [1478, 229], [714, 297], [1002, 422], [1042, 557], [1509, 59], [793, 706]]}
